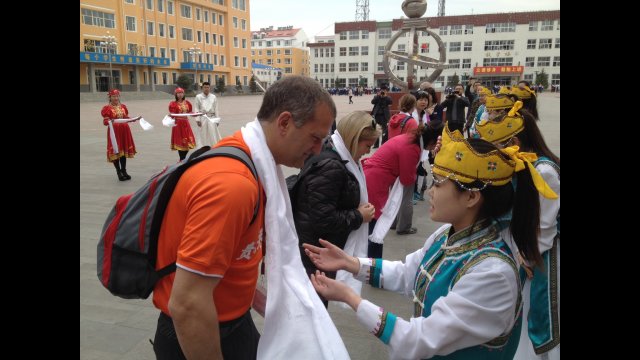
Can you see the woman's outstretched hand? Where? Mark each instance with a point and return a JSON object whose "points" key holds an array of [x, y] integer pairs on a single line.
{"points": [[331, 257], [335, 290]]}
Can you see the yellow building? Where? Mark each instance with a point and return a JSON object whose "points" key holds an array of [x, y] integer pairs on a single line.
{"points": [[284, 48], [153, 42]]}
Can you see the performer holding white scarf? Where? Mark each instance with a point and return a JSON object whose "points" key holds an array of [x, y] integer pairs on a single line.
{"points": [[294, 310]]}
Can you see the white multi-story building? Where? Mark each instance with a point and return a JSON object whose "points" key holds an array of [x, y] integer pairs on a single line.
{"points": [[497, 48]]}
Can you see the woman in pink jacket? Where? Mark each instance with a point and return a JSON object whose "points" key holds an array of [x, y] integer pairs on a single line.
{"points": [[396, 158]]}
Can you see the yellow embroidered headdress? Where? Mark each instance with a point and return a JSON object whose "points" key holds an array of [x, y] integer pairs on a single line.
{"points": [[504, 90], [503, 129], [458, 161], [525, 93], [484, 91], [497, 102]]}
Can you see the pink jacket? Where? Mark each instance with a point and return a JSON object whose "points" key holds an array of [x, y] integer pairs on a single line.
{"points": [[397, 157], [396, 122]]}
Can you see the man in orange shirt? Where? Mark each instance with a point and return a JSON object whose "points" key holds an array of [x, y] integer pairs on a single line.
{"points": [[207, 231]]}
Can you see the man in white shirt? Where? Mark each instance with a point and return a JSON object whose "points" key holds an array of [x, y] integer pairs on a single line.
{"points": [[207, 103]]}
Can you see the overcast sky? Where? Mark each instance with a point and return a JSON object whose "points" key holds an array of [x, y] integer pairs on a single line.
{"points": [[318, 17]]}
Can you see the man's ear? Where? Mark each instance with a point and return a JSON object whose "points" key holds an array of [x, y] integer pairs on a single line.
{"points": [[284, 122]]}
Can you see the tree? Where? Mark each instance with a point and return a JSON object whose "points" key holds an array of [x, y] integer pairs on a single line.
{"points": [[455, 80], [185, 82], [338, 82], [220, 85], [252, 84], [542, 78], [363, 81]]}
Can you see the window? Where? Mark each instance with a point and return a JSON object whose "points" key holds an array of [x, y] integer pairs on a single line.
{"points": [[468, 46], [424, 48], [287, 70], [98, 18], [500, 27], [214, 39], [454, 63], [150, 27], [531, 44], [222, 60], [343, 51], [364, 34], [530, 61], [466, 63], [268, 43], [557, 43], [152, 51], [332, 68], [443, 30], [244, 43], [545, 44], [269, 52], [353, 66], [236, 61], [354, 34], [149, 4], [364, 66], [353, 50], [164, 78], [170, 10], [278, 52], [243, 23], [214, 16], [289, 43], [556, 61], [198, 14], [456, 30], [220, 20], [234, 20], [380, 66], [185, 11], [187, 34], [206, 16], [558, 28], [497, 61], [555, 79], [380, 50], [400, 65], [163, 52], [342, 67], [384, 33], [215, 59], [533, 26], [129, 1], [206, 38], [221, 40], [199, 34], [161, 30], [498, 45], [547, 25], [132, 49], [172, 53], [402, 47], [343, 35], [454, 46], [543, 60], [172, 32], [131, 23], [235, 41], [315, 67], [528, 77], [364, 50], [160, 5], [186, 56], [288, 52], [468, 29]]}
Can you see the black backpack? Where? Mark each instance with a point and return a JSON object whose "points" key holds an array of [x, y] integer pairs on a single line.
{"points": [[128, 244]]}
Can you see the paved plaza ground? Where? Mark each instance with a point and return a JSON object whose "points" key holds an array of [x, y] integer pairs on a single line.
{"points": [[115, 328]]}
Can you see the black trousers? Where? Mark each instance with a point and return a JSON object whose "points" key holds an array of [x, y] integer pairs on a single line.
{"points": [[239, 339], [374, 250]]}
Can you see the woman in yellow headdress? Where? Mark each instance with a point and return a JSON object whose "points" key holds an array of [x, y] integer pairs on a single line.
{"points": [[464, 281]]}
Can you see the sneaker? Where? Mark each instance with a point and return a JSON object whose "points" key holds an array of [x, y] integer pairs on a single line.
{"points": [[407, 232]]}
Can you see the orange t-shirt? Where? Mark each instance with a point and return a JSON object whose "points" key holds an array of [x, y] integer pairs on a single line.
{"points": [[206, 230]]}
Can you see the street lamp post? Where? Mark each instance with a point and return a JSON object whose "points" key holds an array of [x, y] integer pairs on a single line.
{"points": [[195, 51], [110, 41]]}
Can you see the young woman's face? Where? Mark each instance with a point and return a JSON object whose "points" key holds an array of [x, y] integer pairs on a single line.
{"points": [[364, 146], [114, 98], [180, 95], [446, 202], [421, 104]]}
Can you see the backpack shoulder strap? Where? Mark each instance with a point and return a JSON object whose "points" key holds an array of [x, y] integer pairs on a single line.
{"points": [[404, 122]]}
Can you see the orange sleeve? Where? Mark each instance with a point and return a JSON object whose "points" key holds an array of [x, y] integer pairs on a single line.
{"points": [[218, 213]]}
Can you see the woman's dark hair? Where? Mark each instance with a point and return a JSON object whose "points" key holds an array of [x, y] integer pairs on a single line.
{"points": [[525, 202], [531, 140], [531, 104]]}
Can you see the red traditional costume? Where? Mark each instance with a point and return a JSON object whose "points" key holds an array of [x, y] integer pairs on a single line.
{"points": [[181, 135], [126, 146]]}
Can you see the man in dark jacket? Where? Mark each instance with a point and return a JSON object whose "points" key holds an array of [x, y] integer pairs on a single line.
{"points": [[455, 104], [381, 112]]}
